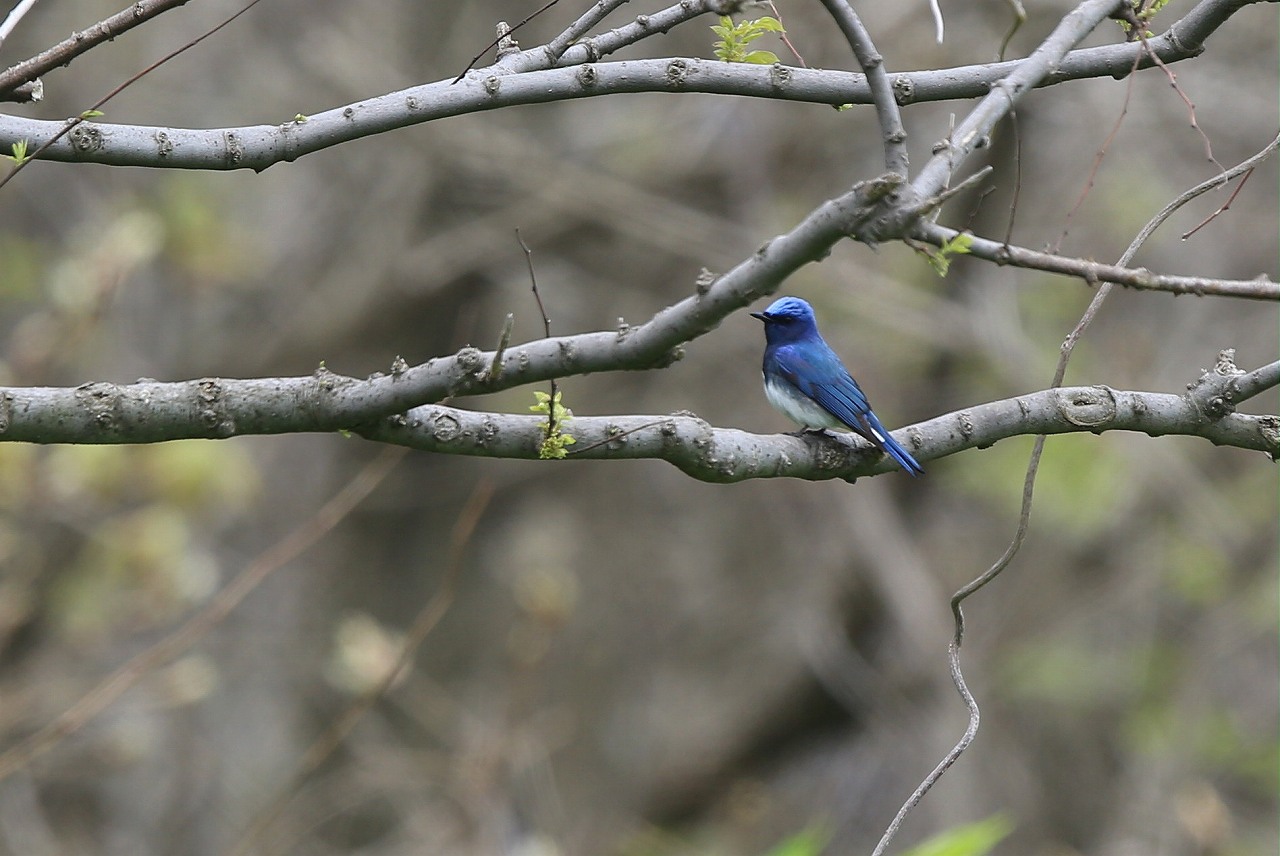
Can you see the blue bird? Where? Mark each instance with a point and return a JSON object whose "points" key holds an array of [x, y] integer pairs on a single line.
{"points": [[806, 382]]}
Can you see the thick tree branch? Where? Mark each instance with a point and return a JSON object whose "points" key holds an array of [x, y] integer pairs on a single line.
{"points": [[215, 408], [151, 412], [326, 401], [730, 455], [260, 146]]}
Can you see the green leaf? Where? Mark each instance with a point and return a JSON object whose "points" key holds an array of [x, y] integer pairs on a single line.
{"points": [[734, 38], [971, 839], [19, 155], [553, 448], [960, 245], [542, 398], [91, 114], [555, 442], [940, 259]]}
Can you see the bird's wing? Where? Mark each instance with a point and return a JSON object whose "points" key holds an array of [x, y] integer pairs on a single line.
{"points": [[819, 374]]}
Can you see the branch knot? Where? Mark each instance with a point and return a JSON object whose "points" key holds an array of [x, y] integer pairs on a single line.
{"points": [[1213, 393]]}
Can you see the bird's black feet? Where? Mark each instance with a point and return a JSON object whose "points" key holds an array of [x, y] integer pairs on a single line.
{"points": [[810, 432]]}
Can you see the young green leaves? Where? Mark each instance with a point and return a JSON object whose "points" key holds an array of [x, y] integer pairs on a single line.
{"points": [[734, 39], [19, 155], [556, 442], [940, 259]]}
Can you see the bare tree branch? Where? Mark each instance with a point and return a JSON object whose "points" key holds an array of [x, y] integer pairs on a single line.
{"points": [[975, 130], [1090, 271], [602, 9], [72, 124], [1212, 396], [260, 146], [15, 15], [892, 133], [730, 455], [1252, 383], [83, 41], [154, 412], [595, 47]]}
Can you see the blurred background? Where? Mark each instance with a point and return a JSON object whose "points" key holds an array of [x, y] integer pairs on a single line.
{"points": [[634, 663]]}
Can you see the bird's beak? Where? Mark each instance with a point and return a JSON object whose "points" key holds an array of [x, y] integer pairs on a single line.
{"points": [[760, 315]]}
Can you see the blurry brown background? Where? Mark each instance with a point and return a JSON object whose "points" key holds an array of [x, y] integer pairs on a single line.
{"points": [[635, 663]]}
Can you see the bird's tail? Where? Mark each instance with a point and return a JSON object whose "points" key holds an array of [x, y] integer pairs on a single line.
{"points": [[902, 456], [892, 448]]}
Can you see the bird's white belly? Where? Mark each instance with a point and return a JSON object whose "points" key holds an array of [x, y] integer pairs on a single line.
{"points": [[799, 408]]}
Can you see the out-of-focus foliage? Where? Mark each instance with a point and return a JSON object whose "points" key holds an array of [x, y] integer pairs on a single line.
{"points": [[633, 663], [971, 839], [809, 842], [142, 556]]}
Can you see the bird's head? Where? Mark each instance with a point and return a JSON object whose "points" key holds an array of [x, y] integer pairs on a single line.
{"points": [[787, 319]]}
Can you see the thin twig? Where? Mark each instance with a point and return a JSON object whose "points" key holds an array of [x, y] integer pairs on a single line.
{"points": [[977, 206], [975, 130], [947, 193], [1019, 18], [892, 132], [1266, 376], [73, 122], [1068, 347], [1222, 209], [1017, 177], [1269, 374], [1244, 167], [1098, 157], [642, 28], [1260, 288], [953, 652], [1191, 107], [12, 19], [504, 339], [783, 35], [426, 620], [579, 28], [1246, 386], [94, 702], [83, 41], [546, 327], [615, 437], [505, 32]]}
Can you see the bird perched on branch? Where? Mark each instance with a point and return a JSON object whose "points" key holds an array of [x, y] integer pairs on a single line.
{"points": [[806, 382]]}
